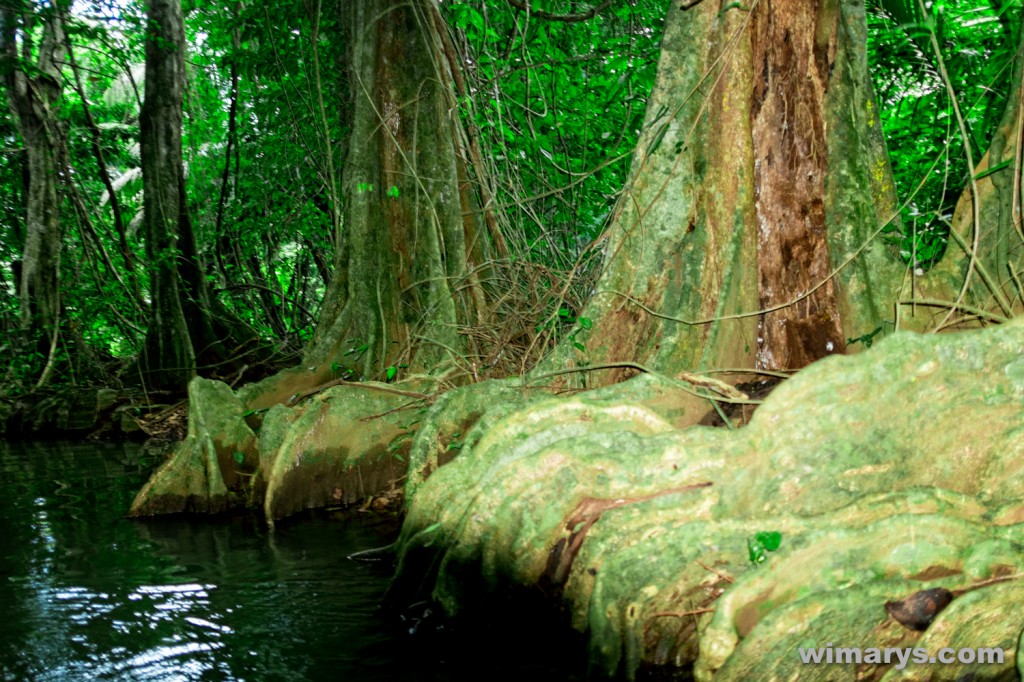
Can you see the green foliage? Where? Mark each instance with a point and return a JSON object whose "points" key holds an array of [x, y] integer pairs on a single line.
{"points": [[977, 42], [760, 543], [555, 106], [564, 320], [559, 109]]}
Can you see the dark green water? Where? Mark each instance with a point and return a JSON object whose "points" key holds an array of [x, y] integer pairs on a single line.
{"points": [[86, 594]]}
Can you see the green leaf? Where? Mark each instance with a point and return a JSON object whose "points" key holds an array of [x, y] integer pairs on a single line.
{"points": [[760, 543], [466, 15], [755, 551], [239, 457], [770, 540], [585, 322], [390, 372]]}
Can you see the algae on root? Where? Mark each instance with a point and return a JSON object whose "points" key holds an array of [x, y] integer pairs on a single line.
{"points": [[888, 472]]}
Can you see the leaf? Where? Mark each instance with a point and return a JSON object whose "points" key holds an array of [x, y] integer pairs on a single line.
{"points": [[755, 551], [239, 457], [770, 540], [586, 322], [390, 372], [579, 346], [466, 15]]}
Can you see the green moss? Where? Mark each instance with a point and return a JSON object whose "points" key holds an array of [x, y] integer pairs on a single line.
{"points": [[884, 473]]}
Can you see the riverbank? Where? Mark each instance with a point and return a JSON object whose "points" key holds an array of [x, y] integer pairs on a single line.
{"points": [[93, 413]]}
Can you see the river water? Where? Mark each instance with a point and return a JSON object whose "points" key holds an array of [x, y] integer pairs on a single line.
{"points": [[87, 594]]}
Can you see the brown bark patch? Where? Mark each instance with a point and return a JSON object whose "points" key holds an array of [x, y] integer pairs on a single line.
{"points": [[750, 613], [792, 67], [628, 329], [397, 134]]}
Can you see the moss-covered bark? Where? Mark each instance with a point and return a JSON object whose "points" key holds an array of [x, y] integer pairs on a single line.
{"points": [[410, 241], [887, 473], [760, 171], [341, 446], [33, 93]]}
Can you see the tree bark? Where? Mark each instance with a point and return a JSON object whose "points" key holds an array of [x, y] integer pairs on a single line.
{"points": [[744, 235], [411, 238], [168, 358], [33, 99]]}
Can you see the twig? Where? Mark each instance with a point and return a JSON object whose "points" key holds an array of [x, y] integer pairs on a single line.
{"points": [[681, 614], [724, 577], [342, 382], [952, 305], [685, 380]]}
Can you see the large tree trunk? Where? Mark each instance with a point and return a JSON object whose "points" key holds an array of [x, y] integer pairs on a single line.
{"points": [[168, 358], [760, 171], [407, 245], [34, 99], [187, 326], [406, 274], [405, 280]]}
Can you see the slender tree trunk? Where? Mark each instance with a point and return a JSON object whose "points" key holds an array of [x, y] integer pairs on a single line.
{"points": [[744, 236], [34, 99], [168, 358]]}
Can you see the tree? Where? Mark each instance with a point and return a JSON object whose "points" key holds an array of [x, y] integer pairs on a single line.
{"points": [[33, 94], [406, 276], [168, 357], [744, 236], [186, 325], [406, 271]]}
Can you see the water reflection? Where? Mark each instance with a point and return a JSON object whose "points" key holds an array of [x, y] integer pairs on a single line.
{"points": [[86, 594]]}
